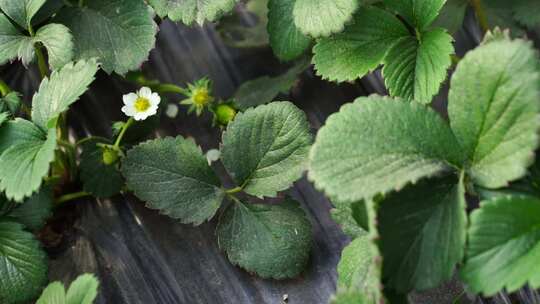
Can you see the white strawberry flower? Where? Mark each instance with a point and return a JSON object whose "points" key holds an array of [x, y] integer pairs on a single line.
{"points": [[142, 104]]}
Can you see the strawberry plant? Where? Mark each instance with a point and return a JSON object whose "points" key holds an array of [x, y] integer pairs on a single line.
{"points": [[404, 179]]}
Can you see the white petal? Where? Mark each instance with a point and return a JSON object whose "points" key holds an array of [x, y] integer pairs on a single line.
{"points": [[129, 111], [145, 92], [141, 116], [155, 99], [129, 99]]}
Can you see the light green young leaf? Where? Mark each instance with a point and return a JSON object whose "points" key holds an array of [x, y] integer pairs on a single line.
{"points": [[286, 40], [189, 11], [120, 33], [60, 90], [173, 176], [98, 178], [82, 291], [379, 144], [494, 110], [360, 48], [349, 297], [264, 89], [356, 267], [414, 69], [423, 231], [13, 44], [24, 160], [34, 212], [273, 241], [419, 13], [320, 18], [59, 44], [265, 149], [504, 245], [21, 11], [23, 265]]}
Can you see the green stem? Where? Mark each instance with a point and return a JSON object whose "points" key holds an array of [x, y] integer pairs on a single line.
{"points": [[42, 63], [233, 190], [89, 138], [455, 59], [4, 88], [71, 196], [169, 88], [122, 132], [480, 14]]}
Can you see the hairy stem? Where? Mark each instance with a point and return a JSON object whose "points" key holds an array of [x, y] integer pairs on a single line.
{"points": [[480, 14], [71, 196], [42, 63], [233, 190], [122, 132]]}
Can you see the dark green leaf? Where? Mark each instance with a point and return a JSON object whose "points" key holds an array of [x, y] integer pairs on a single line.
{"points": [[265, 149], [98, 178], [504, 245], [273, 241], [23, 265], [21, 11], [173, 176], [35, 211], [286, 39]]}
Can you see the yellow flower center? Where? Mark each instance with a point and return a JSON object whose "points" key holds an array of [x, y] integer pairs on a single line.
{"points": [[201, 97], [142, 104]]}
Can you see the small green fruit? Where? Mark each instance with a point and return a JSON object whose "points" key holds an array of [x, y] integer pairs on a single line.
{"points": [[110, 156], [225, 113]]}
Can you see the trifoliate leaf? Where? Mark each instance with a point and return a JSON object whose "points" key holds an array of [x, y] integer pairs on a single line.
{"points": [[62, 89], [120, 33], [273, 241], [319, 18], [24, 160], [265, 89], [377, 145], [355, 268], [360, 48], [494, 111], [21, 11], [23, 265], [286, 40], [173, 176], [189, 11], [415, 68], [419, 13], [101, 179], [452, 15], [82, 291], [59, 44], [352, 218], [504, 245], [423, 230], [13, 44], [35, 211], [265, 148]]}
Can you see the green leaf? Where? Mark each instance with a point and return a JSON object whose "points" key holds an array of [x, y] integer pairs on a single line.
{"points": [[352, 218], [35, 211], [356, 267], [286, 39], [419, 13], [493, 109], [62, 89], [21, 11], [379, 144], [415, 69], [23, 265], [10, 103], [319, 18], [24, 160], [527, 13], [13, 44], [98, 178], [452, 15], [265, 148], [504, 245], [273, 241], [120, 33], [82, 291], [59, 44], [360, 48], [349, 297], [265, 89], [173, 176], [423, 231], [189, 11]]}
